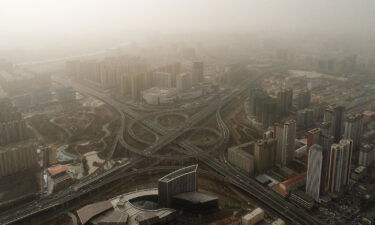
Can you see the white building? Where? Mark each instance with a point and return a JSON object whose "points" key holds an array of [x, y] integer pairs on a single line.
{"points": [[286, 137], [254, 217], [156, 95], [315, 180]]}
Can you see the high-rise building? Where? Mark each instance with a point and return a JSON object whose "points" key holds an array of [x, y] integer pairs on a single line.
{"points": [[161, 80], [339, 165], [286, 136], [15, 159], [303, 99], [284, 101], [197, 72], [179, 181], [12, 125], [138, 83], [241, 157], [109, 72], [262, 107], [305, 118], [173, 69], [265, 154], [326, 141], [353, 129], [316, 182], [334, 116], [183, 81], [313, 137], [367, 155]]}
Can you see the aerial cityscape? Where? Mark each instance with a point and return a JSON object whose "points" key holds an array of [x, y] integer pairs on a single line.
{"points": [[187, 112]]}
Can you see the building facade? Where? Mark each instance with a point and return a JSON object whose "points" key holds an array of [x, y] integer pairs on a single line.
{"points": [[286, 136], [179, 181], [339, 165], [333, 117], [241, 157], [315, 182], [265, 154], [161, 80], [353, 130], [183, 81], [284, 101], [17, 159], [12, 125], [197, 72], [366, 155], [303, 99]]}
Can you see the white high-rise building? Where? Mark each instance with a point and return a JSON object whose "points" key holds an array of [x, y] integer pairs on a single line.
{"points": [[339, 165], [286, 136], [183, 81], [315, 179]]}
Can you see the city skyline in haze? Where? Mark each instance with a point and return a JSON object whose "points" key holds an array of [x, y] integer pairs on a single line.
{"points": [[23, 21]]}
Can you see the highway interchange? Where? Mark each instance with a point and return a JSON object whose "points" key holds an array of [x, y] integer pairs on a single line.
{"points": [[266, 197]]}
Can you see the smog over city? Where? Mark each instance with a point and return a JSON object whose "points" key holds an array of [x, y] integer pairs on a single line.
{"points": [[187, 112]]}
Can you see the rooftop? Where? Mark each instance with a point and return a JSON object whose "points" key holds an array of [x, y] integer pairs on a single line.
{"points": [[57, 169], [89, 211], [165, 92], [195, 197], [294, 179], [178, 173]]}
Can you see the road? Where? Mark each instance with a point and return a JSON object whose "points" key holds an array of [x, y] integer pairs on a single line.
{"points": [[269, 199]]}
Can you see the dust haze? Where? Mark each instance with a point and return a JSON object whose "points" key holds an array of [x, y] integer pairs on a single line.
{"points": [[42, 25]]}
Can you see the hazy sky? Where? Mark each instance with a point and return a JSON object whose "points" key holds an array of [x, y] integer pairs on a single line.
{"points": [[43, 19]]}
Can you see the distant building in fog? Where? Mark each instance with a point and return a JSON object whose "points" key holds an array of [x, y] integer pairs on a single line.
{"points": [[183, 81], [303, 99], [284, 101], [333, 117], [16, 159], [353, 129], [161, 80], [197, 72]]}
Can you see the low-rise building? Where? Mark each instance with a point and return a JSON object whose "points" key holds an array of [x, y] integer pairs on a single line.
{"points": [[294, 182], [232, 220], [278, 222], [359, 173], [254, 217], [302, 199], [157, 95], [58, 178]]}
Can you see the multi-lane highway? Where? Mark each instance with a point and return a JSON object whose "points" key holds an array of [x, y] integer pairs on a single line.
{"points": [[265, 196], [269, 199]]}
